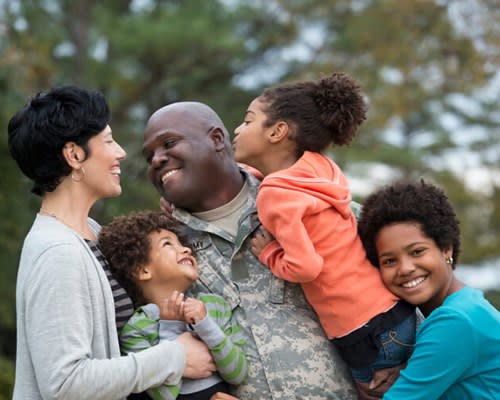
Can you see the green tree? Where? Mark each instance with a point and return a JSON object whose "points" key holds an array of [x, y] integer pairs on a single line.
{"points": [[420, 69], [141, 59], [410, 56]]}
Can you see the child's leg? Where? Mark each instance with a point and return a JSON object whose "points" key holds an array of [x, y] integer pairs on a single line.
{"points": [[396, 348]]}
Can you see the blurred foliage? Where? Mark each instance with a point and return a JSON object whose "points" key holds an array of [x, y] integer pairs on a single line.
{"points": [[413, 58], [494, 298]]}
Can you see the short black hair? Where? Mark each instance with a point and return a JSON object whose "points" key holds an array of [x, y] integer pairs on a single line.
{"points": [[39, 131], [407, 201], [126, 245]]}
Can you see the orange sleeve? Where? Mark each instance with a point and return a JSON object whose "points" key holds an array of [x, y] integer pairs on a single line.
{"points": [[281, 211]]}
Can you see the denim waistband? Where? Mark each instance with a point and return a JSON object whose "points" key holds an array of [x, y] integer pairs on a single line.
{"points": [[378, 324], [360, 347]]}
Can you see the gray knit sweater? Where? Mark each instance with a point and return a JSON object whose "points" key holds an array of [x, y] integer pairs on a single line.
{"points": [[67, 344]]}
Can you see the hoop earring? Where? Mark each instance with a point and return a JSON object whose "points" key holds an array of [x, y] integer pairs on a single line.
{"points": [[81, 171], [449, 260]]}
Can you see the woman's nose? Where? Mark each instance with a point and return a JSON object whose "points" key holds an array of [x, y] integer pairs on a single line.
{"points": [[122, 154]]}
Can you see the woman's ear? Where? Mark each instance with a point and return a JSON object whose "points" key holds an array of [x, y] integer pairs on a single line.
{"points": [[278, 132], [73, 154]]}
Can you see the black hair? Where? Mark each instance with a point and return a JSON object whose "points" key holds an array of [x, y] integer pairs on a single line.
{"points": [[39, 131], [328, 110], [404, 201]]}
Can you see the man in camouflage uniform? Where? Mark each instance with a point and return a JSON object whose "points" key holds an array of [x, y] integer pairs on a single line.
{"points": [[190, 163]]}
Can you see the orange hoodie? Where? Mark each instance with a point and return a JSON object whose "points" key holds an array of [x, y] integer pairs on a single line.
{"points": [[307, 209]]}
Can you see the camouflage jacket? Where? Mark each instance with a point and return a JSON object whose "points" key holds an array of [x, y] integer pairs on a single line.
{"points": [[288, 353]]}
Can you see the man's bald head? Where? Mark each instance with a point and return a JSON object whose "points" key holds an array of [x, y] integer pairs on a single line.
{"points": [[190, 157], [189, 110]]}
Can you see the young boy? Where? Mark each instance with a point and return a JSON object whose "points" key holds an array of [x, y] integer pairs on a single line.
{"points": [[156, 269]]}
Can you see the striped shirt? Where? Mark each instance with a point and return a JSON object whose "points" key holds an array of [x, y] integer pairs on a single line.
{"points": [[124, 308]]}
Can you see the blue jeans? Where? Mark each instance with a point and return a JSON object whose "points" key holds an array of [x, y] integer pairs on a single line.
{"points": [[396, 348]]}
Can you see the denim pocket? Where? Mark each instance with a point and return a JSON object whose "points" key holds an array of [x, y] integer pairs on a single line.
{"points": [[398, 342]]}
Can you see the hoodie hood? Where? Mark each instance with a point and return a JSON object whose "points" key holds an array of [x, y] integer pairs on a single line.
{"points": [[318, 176]]}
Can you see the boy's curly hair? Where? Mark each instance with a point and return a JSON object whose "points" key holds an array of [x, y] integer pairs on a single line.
{"points": [[126, 245], [406, 201]]}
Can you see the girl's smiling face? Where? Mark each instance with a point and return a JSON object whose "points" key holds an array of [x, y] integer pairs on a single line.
{"points": [[413, 267]]}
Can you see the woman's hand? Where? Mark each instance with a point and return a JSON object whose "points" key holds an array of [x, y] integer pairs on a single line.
{"points": [[260, 240], [199, 362], [173, 309], [194, 310]]}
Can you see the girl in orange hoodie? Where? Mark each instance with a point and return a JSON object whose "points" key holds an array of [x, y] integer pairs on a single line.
{"points": [[310, 235]]}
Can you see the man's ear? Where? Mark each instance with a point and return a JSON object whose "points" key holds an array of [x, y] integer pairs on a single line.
{"points": [[278, 132], [143, 273], [218, 137]]}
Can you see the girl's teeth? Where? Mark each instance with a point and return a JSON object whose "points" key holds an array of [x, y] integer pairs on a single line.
{"points": [[413, 283]]}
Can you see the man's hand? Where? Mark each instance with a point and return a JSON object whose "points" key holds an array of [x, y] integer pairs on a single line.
{"points": [[199, 362], [381, 381], [167, 208]]}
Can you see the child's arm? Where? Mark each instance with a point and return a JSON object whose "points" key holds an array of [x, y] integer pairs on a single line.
{"points": [[210, 317], [141, 333], [292, 256]]}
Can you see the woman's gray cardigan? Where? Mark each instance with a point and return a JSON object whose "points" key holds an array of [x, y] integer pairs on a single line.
{"points": [[67, 344]]}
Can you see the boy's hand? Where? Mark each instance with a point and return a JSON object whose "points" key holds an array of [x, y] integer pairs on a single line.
{"points": [[194, 310], [173, 309], [260, 240]]}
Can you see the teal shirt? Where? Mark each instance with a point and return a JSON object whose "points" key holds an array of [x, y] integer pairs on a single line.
{"points": [[457, 353]]}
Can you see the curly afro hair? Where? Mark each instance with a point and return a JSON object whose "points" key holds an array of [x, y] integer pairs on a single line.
{"points": [[328, 110], [126, 245], [405, 201]]}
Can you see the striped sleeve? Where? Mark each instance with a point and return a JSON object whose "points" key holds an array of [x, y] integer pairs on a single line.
{"points": [[140, 333], [223, 338], [124, 307]]}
